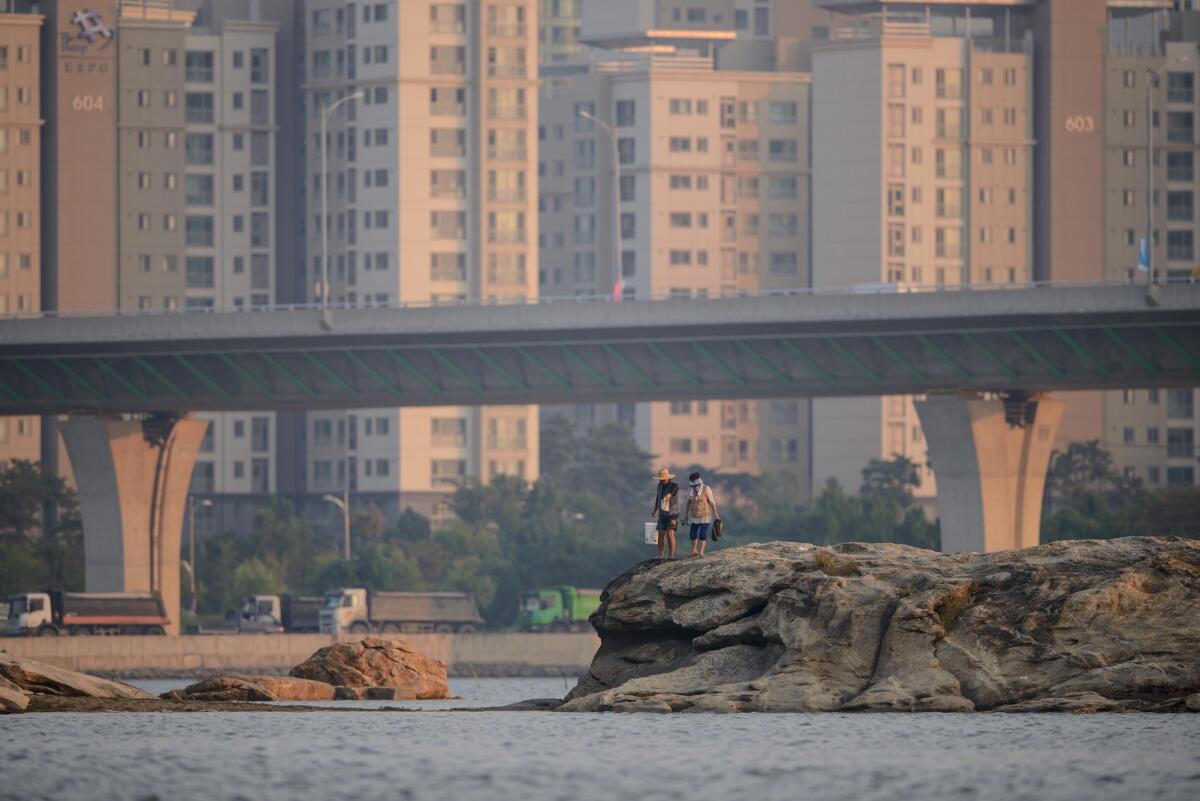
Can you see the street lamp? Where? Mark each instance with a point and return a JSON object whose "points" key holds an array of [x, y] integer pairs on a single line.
{"points": [[206, 504], [343, 503], [1152, 78], [616, 157], [326, 113]]}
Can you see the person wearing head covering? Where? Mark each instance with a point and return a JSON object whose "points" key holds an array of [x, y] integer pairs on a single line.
{"points": [[666, 510], [700, 510]]}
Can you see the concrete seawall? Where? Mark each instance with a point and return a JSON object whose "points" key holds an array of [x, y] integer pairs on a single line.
{"points": [[502, 654]]}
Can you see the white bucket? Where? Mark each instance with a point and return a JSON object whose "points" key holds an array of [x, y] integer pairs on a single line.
{"points": [[652, 533]]}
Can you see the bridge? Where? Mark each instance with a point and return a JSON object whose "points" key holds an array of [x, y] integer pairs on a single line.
{"points": [[984, 359]]}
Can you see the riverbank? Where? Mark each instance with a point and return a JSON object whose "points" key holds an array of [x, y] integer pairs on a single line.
{"points": [[503, 654]]}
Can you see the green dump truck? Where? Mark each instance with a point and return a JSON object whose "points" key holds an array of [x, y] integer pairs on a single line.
{"points": [[557, 609]]}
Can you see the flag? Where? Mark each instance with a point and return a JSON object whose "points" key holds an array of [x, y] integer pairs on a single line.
{"points": [[618, 291], [1143, 255]]}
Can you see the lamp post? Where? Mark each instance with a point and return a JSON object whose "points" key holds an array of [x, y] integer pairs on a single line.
{"points": [[1152, 79], [343, 503], [616, 157], [326, 113], [206, 504]]}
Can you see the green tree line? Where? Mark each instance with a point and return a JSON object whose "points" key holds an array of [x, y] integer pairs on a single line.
{"points": [[580, 524]]}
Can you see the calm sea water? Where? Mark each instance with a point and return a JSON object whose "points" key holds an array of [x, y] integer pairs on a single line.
{"points": [[461, 756]]}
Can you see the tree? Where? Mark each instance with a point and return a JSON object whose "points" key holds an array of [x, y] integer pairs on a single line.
{"points": [[891, 480], [27, 493], [255, 577]]}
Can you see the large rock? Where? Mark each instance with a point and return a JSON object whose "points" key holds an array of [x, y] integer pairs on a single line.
{"points": [[38, 678], [12, 697], [1073, 626], [253, 688], [375, 662]]}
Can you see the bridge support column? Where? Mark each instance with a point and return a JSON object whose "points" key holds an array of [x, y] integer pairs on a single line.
{"points": [[133, 478], [990, 458]]}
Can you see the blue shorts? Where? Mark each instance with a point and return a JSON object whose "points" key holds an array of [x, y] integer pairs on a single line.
{"points": [[700, 531]]}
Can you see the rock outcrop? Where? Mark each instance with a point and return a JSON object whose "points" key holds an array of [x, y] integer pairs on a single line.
{"points": [[38, 678], [253, 688], [12, 697], [1070, 626], [375, 662]]}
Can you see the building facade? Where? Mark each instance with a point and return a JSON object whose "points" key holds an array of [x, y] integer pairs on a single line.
{"points": [[432, 192], [20, 198], [714, 194], [923, 143]]}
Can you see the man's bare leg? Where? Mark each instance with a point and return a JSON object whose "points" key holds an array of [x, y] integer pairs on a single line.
{"points": [[669, 535]]}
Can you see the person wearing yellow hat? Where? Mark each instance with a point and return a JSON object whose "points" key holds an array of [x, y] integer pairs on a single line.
{"points": [[666, 510]]}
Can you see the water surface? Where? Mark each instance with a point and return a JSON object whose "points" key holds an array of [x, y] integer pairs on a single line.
{"points": [[492, 756]]}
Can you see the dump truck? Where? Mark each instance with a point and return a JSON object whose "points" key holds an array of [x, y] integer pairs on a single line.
{"points": [[557, 609], [361, 611], [54, 612], [275, 614]]}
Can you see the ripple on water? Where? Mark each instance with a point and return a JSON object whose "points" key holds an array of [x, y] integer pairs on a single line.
{"points": [[368, 755]]}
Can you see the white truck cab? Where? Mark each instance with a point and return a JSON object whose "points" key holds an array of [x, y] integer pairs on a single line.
{"points": [[345, 610], [261, 613], [29, 612]]}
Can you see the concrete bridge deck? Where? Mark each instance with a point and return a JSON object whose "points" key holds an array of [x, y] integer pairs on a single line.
{"points": [[753, 347]]}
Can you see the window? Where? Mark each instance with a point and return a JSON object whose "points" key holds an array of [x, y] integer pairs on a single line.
{"points": [[680, 144], [199, 106], [781, 150], [585, 154], [680, 106], [626, 113], [199, 230], [895, 80], [626, 150], [1179, 127], [199, 272], [949, 163], [949, 242], [1180, 443], [784, 262], [679, 257], [199, 190], [895, 120], [680, 219], [782, 113], [1179, 166], [783, 187], [585, 229], [1179, 206], [949, 123], [198, 66], [949, 83], [787, 225], [1180, 87], [628, 225], [1179, 245], [585, 191], [199, 148]]}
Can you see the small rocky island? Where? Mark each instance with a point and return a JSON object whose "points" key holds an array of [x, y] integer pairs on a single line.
{"points": [[1084, 626]]}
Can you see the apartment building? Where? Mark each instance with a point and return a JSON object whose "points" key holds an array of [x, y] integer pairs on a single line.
{"points": [[714, 193], [923, 153], [20, 198], [431, 191], [230, 231], [1152, 434]]}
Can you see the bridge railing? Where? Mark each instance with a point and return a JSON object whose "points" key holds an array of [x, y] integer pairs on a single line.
{"points": [[674, 295]]}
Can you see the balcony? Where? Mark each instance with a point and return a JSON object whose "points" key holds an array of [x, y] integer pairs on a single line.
{"points": [[507, 153], [508, 112], [448, 68], [506, 194], [507, 70], [507, 237], [447, 26], [448, 109], [508, 29]]}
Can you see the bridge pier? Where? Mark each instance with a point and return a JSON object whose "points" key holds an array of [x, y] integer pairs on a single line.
{"points": [[133, 478], [990, 459]]}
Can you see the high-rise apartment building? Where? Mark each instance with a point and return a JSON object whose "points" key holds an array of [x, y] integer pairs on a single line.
{"points": [[159, 169], [923, 154], [1152, 434], [714, 199], [432, 192], [1085, 69], [230, 232], [20, 201]]}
